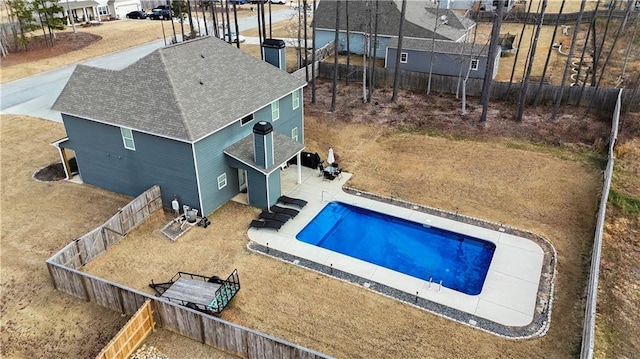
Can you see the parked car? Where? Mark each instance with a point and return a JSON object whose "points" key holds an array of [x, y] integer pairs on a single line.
{"points": [[160, 14], [234, 37], [282, 2], [138, 14], [237, 1]]}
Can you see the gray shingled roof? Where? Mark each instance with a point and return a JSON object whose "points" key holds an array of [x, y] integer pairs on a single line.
{"points": [[184, 91], [439, 46], [284, 149], [421, 18]]}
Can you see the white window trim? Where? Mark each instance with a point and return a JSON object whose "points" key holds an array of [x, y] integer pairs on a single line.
{"points": [[275, 110], [294, 133], [125, 138], [222, 181], [406, 57], [474, 64], [295, 99]]}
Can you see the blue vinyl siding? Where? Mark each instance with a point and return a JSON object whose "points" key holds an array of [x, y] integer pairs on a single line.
{"points": [[444, 64], [290, 118], [356, 42], [103, 161], [275, 188], [257, 189]]}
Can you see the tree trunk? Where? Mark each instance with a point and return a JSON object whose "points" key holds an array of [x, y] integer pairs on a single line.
{"points": [[515, 60], [591, 32], [433, 45], [525, 82], [372, 72], [306, 42], [394, 97], [235, 22], [334, 87], [313, 56], [546, 62], [567, 66], [346, 14], [491, 60]]}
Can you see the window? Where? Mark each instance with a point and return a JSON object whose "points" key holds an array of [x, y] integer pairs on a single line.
{"points": [[294, 133], [103, 10], [403, 57], [222, 181], [474, 64], [295, 99], [275, 110], [127, 138], [246, 120]]}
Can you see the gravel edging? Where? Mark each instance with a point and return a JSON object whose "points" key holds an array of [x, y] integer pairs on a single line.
{"points": [[542, 314]]}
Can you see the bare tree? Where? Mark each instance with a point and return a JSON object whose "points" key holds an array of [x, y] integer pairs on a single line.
{"points": [[346, 20], [515, 60], [433, 45], [334, 87], [525, 81], [372, 71], [306, 42], [598, 50], [491, 60], [567, 66], [394, 97], [546, 63], [235, 21], [629, 47], [313, 56]]}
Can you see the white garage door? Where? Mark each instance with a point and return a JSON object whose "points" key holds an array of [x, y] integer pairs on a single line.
{"points": [[123, 9]]}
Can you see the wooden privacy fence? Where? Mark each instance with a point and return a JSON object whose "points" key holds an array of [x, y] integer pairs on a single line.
{"points": [[588, 334], [131, 335], [321, 54], [64, 269], [549, 18], [602, 99]]}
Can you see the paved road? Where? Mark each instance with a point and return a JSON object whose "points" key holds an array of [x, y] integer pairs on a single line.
{"points": [[35, 95]]}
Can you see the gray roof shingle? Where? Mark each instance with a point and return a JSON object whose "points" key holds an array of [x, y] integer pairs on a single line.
{"points": [[420, 19], [284, 149], [184, 91]]}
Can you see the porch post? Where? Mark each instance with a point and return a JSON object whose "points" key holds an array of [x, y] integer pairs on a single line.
{"points": [[299, 166]]}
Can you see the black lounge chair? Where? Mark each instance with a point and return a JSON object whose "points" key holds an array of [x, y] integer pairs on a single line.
{"points": [[274, 216], [288, 211], [295, 201], [266, 224]]}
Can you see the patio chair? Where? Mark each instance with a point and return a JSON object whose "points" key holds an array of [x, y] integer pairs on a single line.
{"points": [[328, 176], [294, 201], [266, 224], [274, 216], [288, 211]]}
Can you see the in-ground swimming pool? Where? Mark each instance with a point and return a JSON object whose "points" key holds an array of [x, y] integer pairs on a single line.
{"points": [[432, 254]]}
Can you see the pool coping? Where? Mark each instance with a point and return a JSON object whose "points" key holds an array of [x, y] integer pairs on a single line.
{"points": [[544, 295]]}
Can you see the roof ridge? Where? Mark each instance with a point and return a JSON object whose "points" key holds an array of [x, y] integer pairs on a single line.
{"points": [[174, 94]]}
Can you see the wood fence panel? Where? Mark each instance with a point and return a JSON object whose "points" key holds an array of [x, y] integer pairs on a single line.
{"points": [[104, 293], [91, 245], [112, 231], [131, 335], [131, 301], [259, 346], [68, 256], [67, 281], [180, 320], [224, 336]]}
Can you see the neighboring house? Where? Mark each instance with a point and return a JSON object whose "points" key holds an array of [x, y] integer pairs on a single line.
{"points": [[98, 10], [423, 20], [482, 5], [449, 58], [200, 118]]}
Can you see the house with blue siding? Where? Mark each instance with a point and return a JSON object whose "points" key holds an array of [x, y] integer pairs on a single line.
{"points": [[441, 57], [423, 20], [196, 118]]}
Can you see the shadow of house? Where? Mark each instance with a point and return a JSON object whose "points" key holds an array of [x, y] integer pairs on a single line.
{"points": [[168, 118], [423, 20]]}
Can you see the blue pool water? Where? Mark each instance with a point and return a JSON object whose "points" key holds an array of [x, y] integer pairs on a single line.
{"points": [[459, 261]]}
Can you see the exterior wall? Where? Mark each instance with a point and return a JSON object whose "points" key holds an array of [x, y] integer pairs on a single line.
{"points": [[257, 189], [468, 4], [275, 187], [211, 161], [444, 64], [104, 162], [355, 42]]}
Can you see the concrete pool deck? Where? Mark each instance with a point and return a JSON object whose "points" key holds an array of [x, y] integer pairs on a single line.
{"points": [[508, 298]]}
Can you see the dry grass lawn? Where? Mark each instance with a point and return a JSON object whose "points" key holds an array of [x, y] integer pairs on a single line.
{"points": [[548, 190]]}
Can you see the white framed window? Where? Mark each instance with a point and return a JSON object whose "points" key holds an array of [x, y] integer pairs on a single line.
{"points": [[295, 99], [294, 133], [403, 57], [275, 110], [103, 10], [222, 181], [474, 64], [127, 138], [246, 119]]}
